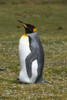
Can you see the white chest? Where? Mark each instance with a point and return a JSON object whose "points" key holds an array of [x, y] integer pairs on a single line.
{"points": [[24, 51]]}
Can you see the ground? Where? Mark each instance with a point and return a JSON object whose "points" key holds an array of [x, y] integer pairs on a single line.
{"points": [[51, 22]]}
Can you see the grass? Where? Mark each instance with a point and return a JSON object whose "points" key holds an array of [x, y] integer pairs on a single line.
{"points": [[50, 20]]}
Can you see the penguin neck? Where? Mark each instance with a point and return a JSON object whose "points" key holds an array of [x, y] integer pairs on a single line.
{"points": [[32, 34]]}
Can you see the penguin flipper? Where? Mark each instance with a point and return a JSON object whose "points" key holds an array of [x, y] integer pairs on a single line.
{"points": [[29, 59]]}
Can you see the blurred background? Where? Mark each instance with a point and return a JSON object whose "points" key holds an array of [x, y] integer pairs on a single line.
{"points": [[50, 19]]}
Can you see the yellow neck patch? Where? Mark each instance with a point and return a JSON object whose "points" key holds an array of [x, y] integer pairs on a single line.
{"points": [[24, 35]]}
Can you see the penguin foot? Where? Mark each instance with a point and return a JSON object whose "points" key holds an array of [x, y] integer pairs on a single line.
{"points": [[42, 81], [19, 81], [1, 69]]}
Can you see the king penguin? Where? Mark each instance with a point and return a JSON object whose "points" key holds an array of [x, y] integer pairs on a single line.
{"points": [[31, 56]]}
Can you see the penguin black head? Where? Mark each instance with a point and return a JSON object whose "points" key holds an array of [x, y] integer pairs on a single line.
{"points": [[28, 28]]}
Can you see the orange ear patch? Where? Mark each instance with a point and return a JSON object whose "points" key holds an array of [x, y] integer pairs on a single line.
{"points": [[34, 30]]}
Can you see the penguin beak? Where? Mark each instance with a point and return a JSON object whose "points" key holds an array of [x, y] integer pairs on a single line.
{"points": [[22, 23]]}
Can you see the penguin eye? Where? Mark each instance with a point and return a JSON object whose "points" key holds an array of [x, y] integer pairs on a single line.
{"points": [[34, 30]]}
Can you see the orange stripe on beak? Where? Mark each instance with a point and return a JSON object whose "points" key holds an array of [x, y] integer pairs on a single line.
{"points": [[24, 25]]}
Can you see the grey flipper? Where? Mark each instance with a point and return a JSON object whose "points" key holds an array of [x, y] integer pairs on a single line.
{"points": [[36, 43], [29, 59]]}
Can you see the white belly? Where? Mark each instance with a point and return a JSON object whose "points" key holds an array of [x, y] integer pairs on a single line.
{"points": [[24, 51]]}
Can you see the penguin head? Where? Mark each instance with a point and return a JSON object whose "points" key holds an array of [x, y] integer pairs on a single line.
{"points": [[28, 28]]}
